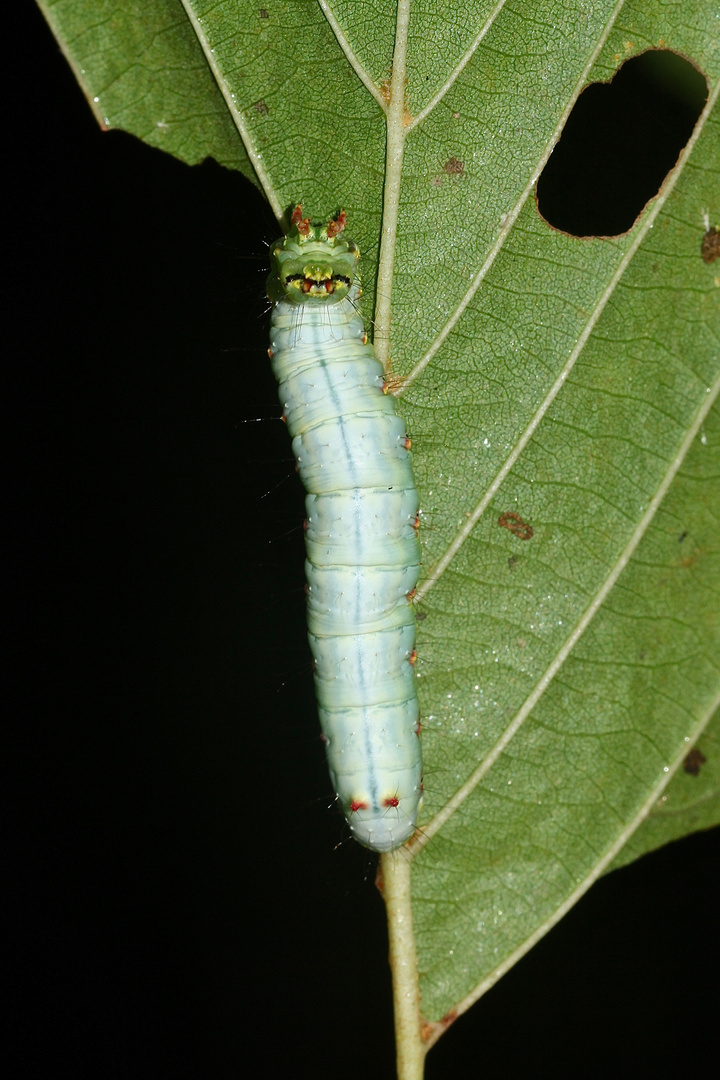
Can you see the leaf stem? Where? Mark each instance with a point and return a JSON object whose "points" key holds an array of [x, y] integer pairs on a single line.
{"points": [[409, 1048], [391, 197]]}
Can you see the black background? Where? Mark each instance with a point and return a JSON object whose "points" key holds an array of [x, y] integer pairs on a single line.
{"points": [[182, 908]]}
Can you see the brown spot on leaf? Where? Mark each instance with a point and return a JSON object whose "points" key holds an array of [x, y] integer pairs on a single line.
{"points": [[693, 761], [261, 108], [515, 524], [710, 247], [454, 167]]}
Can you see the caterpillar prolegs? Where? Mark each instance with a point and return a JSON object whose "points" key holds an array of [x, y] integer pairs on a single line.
{"points": [[363, 554]]}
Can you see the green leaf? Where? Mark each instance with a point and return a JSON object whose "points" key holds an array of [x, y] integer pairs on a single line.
{"points": [[142, 69], [572, 382]]}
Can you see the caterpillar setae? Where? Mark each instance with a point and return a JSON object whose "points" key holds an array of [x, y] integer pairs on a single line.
{"points": [[363, 553]]}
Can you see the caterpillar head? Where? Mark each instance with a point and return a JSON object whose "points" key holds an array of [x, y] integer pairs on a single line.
{"points": [[313, 264]]}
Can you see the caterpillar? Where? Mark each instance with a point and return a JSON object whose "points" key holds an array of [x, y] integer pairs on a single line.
{"points": [[363, 554]]}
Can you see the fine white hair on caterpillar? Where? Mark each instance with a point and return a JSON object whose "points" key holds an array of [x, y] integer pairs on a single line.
{"points": [[363, 553]]}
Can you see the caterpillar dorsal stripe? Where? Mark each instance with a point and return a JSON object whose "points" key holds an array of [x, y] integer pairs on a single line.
{"points": [[363, 555]]}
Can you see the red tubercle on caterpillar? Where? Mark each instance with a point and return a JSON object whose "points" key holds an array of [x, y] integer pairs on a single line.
{"points": [[337, 225], [392, 800], [270, 354], [410, 596], [412, 658], [416, 522], [323, 738], [418, 729], [358, 804], [407, 443], [302, 224]]}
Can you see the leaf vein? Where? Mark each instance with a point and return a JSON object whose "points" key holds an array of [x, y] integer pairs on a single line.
{"points": [[351, 56], [463, 62], [515, 212]]}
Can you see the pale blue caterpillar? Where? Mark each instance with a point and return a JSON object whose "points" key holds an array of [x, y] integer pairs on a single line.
{"points": [[363, 554]]}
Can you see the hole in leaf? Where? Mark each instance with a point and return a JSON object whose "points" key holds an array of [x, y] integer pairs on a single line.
{"points": [[619, 143]]}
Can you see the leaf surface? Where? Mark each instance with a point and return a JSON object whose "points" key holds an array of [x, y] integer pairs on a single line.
{"points": [[564, 676]]}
